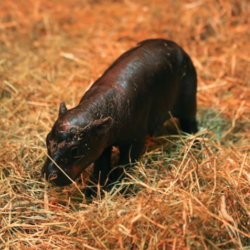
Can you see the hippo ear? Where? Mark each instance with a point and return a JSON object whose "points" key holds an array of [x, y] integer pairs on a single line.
{"points": [[62, 108], [101, 126]]}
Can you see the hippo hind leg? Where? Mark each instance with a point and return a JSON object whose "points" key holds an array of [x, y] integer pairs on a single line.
{"points": [[188, 125], [186, 105]]}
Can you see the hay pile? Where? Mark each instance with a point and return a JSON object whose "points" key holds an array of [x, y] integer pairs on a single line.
{"points": [[182, 198]]}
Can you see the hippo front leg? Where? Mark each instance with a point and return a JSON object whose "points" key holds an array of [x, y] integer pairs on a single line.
{"points": [[128, 155], [102, 167]]}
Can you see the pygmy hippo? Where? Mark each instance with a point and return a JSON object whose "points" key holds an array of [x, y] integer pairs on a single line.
{"points": [[130, 100]]}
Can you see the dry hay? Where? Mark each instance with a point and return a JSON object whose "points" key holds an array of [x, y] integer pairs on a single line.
{"points": [[182, 198]]}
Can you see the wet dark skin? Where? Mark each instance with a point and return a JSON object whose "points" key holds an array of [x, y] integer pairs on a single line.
{"points": [[130, 100]]}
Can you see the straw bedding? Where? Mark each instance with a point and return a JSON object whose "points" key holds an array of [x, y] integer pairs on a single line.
{"points": [[180, 197]]}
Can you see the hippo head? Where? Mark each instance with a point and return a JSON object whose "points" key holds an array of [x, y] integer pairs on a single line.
{"points": [[75, 141]]}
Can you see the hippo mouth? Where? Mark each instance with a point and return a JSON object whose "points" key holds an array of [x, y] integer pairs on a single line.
{"points": [[54, 175]]}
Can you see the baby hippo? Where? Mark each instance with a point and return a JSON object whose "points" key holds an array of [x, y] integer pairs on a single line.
{"points": [[130, 100]]}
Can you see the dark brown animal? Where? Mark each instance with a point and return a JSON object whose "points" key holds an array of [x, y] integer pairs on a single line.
{"points": [[130, 100]]}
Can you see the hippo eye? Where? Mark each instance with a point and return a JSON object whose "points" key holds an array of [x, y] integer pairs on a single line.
{"points": [[74, 152]]}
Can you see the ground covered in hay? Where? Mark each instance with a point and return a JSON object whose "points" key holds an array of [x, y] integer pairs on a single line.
{"points": [[182, 198]]}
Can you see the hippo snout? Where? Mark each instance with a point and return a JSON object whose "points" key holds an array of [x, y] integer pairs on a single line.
{"points": [[53, 174]]}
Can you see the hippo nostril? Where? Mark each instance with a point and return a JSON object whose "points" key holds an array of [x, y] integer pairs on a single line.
{"points": [[53, 174], [54, 171]]}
